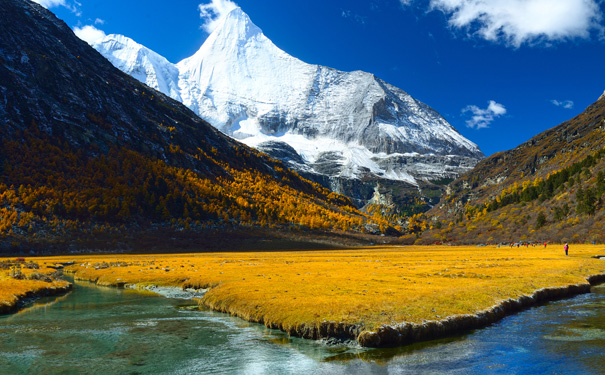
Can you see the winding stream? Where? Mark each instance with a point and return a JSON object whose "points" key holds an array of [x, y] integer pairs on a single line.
{"points": [[95, 330]]}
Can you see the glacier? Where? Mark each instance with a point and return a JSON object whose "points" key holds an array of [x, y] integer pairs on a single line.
{"points": [[318, 119]]}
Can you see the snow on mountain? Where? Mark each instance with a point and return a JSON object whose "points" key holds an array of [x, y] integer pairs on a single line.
{"points": [[141, 63], [339, 124]]}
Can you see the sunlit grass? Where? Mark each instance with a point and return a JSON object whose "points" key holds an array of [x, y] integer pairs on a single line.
{"points": [[13, 290], [369, 286]]}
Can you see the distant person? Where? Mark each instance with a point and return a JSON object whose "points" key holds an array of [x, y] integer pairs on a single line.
{"points": [[545, 245], [566, 247]]}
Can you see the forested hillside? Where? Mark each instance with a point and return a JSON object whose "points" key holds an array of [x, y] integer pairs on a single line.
{"points": [[87, 150], [547, 189]]}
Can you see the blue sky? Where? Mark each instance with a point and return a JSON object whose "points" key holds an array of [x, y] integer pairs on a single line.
{"points": [[500, 71]]}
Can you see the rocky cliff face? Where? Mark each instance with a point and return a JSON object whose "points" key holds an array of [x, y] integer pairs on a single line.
{"points": [[340, 125]]}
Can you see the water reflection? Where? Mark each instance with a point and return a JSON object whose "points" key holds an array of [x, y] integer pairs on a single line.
{"points": [[42, 304], [384, 356]]}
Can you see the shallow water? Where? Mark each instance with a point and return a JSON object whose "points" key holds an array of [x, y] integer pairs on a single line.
{"points": [[95, 330]]}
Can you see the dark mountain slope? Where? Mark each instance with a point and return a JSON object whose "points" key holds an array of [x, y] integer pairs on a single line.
{"points": [[85, 149], [536, 191]]}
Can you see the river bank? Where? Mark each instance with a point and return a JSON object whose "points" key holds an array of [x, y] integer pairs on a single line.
{"points": [[407, 333], [122, 331], [28, 294], [22, 282], [384, 296]]}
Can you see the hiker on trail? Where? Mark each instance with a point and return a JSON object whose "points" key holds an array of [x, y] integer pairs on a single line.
{"points": [[566, 247]]}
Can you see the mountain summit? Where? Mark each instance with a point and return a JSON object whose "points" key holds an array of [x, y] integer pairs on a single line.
{"points": [[337, 128]]}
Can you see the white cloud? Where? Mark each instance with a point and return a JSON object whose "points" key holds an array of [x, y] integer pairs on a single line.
{"points": [[212, 12], [496, 108], [89, 33], [99, 21], [516, 22], [55, 3], [482, 118], [567, 104]]}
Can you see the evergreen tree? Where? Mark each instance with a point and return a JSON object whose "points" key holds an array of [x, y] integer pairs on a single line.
{"points": [[540, 220]]}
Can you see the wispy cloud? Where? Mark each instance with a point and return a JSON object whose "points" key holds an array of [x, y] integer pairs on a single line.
{"points": [[89, 33], [99, 21], [50, 3], [211, 13], [517, 22], [567, 104], [355, 17], [482, 118]]}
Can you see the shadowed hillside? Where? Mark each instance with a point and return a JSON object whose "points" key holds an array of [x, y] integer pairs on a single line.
{"points": [[86, 150]]}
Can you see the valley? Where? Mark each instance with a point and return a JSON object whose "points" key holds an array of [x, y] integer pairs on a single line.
{"points": [[322, 204]]}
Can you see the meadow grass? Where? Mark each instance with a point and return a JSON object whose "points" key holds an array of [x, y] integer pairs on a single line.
{"points": [[12, 290], [367, 287]]}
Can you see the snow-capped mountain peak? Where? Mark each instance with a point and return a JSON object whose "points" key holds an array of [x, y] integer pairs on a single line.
{"points": [[334, 123], [239, 65], [237, 26]]}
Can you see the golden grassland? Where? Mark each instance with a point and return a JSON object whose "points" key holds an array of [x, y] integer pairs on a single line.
{"points": [[366, 287], [12, 290]]}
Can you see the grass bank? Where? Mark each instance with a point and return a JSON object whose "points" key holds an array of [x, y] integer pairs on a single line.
{"points": [[381, 296], [21, 281]]}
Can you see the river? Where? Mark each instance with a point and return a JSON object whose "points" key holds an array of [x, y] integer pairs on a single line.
{"points": [[96, 330]]}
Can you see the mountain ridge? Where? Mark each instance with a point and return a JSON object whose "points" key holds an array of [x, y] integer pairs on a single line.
{"points": [[358, 124], [87, 151]]}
